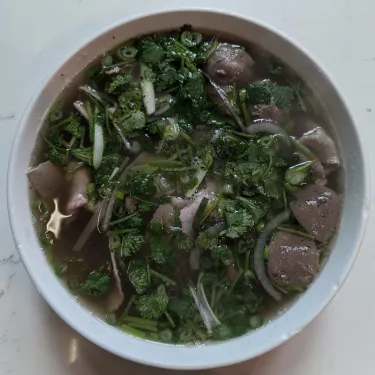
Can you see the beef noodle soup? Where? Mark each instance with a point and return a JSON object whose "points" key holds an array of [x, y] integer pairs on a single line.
{"points": [[187, 187]]}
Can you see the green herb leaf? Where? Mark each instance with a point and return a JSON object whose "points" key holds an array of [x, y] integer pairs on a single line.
{"points": [[138, 275], [153, 306], [130, 245]]}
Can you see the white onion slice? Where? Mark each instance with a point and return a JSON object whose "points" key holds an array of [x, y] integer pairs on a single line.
{"points": [[148, 92], [80, 107], [98, 146]]}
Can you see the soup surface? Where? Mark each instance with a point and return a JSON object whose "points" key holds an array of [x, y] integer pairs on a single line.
{"points": [[188, 189]]}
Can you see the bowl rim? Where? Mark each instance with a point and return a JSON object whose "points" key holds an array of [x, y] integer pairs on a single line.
{"points": [[158, 354]]}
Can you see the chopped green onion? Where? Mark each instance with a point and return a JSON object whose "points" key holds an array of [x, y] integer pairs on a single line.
{"points": [[191, 39], [114, 241], [111, 319], [298, 174], [126, 53], [107, 60], [293, 231], [133, 331], [120, 195], [255, 321], [166, 335], [266, 251], [260, 226]]}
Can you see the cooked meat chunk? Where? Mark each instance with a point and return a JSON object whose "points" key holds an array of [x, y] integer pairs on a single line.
{"points": [[322, 145], [164, 216], [266, 112], [292, 260], [229, 65], [77, 197], [317, 209], [47, 179]]}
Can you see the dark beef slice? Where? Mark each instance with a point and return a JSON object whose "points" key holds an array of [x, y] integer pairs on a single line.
{"points": [[292, 260], [267, 112], [48, 179], [230, 64], [317, 209], [323, 146]]}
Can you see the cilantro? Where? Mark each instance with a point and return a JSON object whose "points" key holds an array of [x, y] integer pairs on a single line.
{"points": [[130, 100], [132, 122], [166, 76], [150, 50], [183, 307], [182, 241], [192, 88], [74, 126], [270, 93], [222, 253], [238, 223], [97, 284], [83, 154], [118, 82], [109, 163], [153, 306], [138, 275], [56, 156], [130, 245], [160, 249], [207, 240]]}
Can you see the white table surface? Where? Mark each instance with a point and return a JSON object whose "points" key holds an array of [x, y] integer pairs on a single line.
{"points": [[33, 340]]}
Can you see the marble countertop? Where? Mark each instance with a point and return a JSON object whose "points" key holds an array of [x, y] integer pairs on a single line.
{"points": [[33, 340]]}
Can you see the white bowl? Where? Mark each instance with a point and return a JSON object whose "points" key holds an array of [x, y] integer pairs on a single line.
{"points": [[309, 305]]}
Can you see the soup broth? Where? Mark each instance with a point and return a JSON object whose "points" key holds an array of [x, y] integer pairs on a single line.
{"points": [[186, 187]]}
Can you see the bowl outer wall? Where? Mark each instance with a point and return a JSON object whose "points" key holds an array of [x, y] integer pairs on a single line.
{"points": [[310, 304]]}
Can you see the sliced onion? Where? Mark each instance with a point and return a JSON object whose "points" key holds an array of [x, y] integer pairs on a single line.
{"points": [[165, 102], [80, 107], [109, 210], [123, 170], [98, 146], [89, 229], [127, 144], [91, 92], [148, 92], [209, 318], [226, 101], [114, 70], [259, 266], [265, 126], [116, 296]]}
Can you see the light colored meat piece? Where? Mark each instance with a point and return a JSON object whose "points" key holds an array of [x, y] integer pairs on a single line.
{"points": [[130, 204], [164, 215], [78, 190]]}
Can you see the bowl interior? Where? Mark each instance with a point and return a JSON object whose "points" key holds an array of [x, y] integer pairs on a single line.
{"points": [[354, 211]]}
